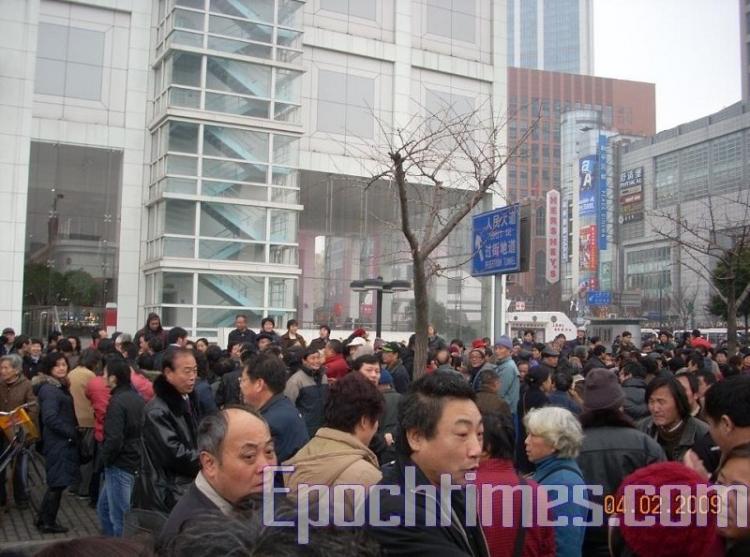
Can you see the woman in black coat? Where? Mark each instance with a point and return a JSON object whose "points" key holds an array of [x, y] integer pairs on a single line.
{"points": [[538, 382], [58, 424]]}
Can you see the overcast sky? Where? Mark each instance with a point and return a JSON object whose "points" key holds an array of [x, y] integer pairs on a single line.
{"points": [[689, 48]]}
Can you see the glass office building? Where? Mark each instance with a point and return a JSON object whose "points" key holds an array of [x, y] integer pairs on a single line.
{"points": [[203, 158]]}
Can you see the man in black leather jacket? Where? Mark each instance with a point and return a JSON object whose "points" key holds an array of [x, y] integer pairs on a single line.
{"points": [[170, 429]]}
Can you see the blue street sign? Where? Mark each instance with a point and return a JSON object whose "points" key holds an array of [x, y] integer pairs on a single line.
{"points": [[496, 242], [599, 298]]}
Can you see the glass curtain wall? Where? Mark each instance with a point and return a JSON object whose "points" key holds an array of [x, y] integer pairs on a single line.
{"points": [[223, 205], [72, 236]]}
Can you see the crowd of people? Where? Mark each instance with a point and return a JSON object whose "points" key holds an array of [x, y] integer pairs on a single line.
{"points": [[213, 449]]}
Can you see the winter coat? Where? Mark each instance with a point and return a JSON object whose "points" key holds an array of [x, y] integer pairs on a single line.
{"points": [[123, 425], [635, 404], [59, 431], [247, 335], [336, 367], [400, 377], [78, 379], [593, 363], [288, 429], [539, 541], [553, 470], [389, 424], [191, 505], [288, 342], [456, 540], [308, 390], [510, 382], [331, 458], [693, 430], [170, 437], [563, 400], [608, 454], [142, 384], [17, 393], [205, 394], [98, 393]]}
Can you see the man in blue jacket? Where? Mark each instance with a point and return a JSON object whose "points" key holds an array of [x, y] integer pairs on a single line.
{"points": [[262, 384], [507, 372]]}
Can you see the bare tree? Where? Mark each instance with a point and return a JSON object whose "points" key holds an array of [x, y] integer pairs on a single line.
{"points": [[439, 167], [682, 302], [717, 237]]}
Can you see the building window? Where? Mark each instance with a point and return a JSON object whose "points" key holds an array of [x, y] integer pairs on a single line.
{"points": [[453, 19], [345, 104], [365, 9], [541, 224], [69, 62]]}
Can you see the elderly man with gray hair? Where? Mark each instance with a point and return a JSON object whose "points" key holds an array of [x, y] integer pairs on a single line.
{"points": [[15, 390], [234, 446]]}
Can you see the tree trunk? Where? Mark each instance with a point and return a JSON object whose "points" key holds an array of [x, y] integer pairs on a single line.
{"points": [[731, 319], [421, 318]]}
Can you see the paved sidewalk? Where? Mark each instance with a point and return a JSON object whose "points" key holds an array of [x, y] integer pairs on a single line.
{"points": [[17, 529]]}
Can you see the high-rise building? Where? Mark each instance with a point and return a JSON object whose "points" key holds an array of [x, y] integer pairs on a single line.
{"points": [[624, 107], [555, 35], [204, 158]]}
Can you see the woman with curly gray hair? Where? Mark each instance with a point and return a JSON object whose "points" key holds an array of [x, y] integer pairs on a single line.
{"points": [[553, 441]]}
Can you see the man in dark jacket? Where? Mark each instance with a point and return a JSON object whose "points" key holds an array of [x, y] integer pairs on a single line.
{"points": [[170, 429], [438, 408], [262, 384], [235, 446], [241, 333], [595, 361], [392, 361], [307, 390], [633, 380], [120, 452]]}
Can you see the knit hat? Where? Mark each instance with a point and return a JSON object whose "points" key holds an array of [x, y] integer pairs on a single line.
{"points": [[505, 342], [602, 390], [664, 538]]}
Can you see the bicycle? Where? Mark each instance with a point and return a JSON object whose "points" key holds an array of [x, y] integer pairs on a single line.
{"points": [[20, 431], [18, 423]]}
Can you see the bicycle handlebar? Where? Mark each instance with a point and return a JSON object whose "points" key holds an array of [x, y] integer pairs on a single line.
{"points": [[23, 406]]}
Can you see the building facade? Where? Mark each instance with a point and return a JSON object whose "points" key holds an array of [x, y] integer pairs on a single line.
{"points": [[623, 107], [204, 158], [744, 8], [695, 172], [553, 35]]}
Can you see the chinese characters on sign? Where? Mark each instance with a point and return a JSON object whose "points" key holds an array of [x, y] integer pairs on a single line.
{"points": [[587, 249], [497, 242], [599, 298], [631, 195], [552, 272], [601, 193]]}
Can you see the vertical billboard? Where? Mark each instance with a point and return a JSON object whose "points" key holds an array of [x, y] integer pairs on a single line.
{"points": [[601, 192], [587, 249], [631, 195], [587, 192], [552, 271]]}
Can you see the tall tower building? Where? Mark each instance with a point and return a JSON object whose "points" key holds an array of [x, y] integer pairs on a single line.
{"points": [[552, 35]]}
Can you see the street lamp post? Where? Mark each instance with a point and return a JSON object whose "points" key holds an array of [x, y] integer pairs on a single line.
{"points": [[380, 287]]}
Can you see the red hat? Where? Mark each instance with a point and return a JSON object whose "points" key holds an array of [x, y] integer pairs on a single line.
{"points": [[359, 332], [667, 540], [478, 343], [696, 342]]}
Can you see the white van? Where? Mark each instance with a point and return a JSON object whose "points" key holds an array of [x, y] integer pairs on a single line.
{"points": [[545, 324]]}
